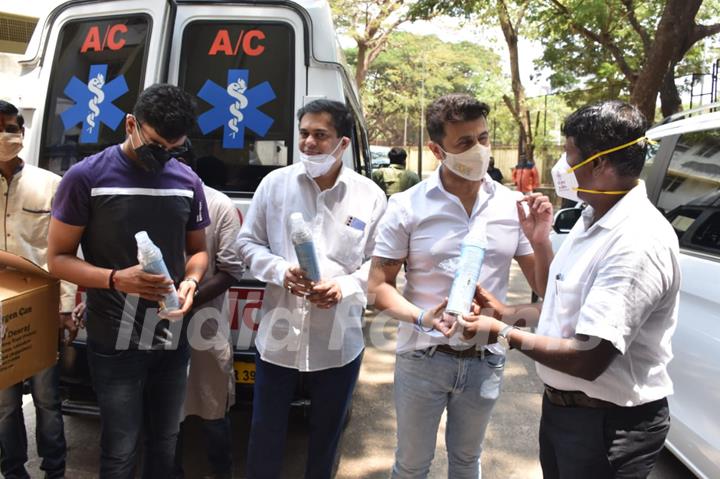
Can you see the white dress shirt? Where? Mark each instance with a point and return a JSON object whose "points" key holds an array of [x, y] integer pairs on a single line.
{"points": [[25, 205], [618, 280], [426, 225], [293, 332]]}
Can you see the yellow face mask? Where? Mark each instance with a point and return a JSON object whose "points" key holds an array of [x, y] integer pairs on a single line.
{"points": [[572, 169]]}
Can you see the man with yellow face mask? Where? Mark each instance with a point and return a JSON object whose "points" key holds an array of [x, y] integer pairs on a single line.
{"points": [[603, 336]]}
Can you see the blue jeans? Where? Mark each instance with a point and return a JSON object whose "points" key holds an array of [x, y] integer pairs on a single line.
{"points": [[49, 427], [330, 392], [218, 443], [139, 391], [426, 383]]}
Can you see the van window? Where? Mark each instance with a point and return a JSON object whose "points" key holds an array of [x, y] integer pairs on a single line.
{"points": [[690, 195], [97, 74], [242, 74]]}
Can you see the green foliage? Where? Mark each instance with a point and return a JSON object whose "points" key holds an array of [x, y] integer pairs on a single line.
{"points": [[411, 63]]}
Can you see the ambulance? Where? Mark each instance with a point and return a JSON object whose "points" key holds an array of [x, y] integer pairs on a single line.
{"points": [[250, 65]]}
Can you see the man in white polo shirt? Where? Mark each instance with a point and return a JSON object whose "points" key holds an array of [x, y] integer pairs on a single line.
{"points": [[424, 226], [603, 339]]}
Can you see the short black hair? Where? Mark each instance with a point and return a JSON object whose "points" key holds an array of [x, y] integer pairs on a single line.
{"points": [[608, 124], [397, 155], [453, 108], [8, 109], [341, 117], [212, 171], [168, 109]]}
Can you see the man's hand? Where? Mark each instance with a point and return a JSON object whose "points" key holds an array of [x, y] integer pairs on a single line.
{"points": [[297, 283], [440, 320], [325, 294], [484, 302], [536, 224], [186, 297], [485, 326], [134, 280], [68, 328]]}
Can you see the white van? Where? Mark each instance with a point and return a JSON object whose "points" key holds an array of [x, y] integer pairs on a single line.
{"points": [[250, 64]]}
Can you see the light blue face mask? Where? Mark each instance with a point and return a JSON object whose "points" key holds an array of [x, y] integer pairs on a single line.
{"points": [[319, 165]]}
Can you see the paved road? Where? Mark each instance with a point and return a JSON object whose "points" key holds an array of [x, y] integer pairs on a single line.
{"points": [[369, 441]]}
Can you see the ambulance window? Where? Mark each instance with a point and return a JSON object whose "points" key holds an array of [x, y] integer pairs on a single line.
{"points": [[242, 76], [97, 74]]}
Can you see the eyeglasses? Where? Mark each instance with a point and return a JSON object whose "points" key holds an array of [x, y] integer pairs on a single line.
{"points": [[12, 128], [175, 152]]}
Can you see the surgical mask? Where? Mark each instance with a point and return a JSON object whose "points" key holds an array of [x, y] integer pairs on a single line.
{"points": [[471, 164], [154, 157], [10, 145], [319, 165], [565, 181]]}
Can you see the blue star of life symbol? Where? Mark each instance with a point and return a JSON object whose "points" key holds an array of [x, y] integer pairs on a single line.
{"points": [[235, 108], [93, 103]]}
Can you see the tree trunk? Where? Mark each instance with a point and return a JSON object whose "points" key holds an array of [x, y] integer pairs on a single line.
{"points": [[677, 19], [518, 107], [670, 101], [361, 67]]}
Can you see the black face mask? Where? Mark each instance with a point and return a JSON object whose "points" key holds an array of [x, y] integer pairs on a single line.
{"points": [[154, 157]]}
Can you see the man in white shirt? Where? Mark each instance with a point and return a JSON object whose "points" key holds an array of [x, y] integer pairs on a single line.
{"points": [[26, 193], [424, 226], [309, 331], [603, 340]]}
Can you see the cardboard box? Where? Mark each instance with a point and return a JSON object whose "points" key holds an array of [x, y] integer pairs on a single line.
{"points": [[29, 305]]}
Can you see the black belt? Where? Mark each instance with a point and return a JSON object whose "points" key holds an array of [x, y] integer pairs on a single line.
{"points": [[463, 353], [575, 399]]}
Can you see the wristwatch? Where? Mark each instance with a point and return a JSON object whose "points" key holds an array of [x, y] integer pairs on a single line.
{"points": [[197, 285], [502, 337]]}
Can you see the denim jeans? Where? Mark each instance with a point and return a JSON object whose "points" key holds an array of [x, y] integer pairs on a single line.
{"points": [[218, 443], [426, 383], [330, 392], [139, 391], [49, 427]]}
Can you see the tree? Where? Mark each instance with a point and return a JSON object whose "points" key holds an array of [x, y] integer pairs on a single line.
{"points": [[622, 46], [369, 23], [511, 16], [413, 64]]}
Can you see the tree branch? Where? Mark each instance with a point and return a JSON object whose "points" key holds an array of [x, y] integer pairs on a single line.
{"points": [[632, 18]]}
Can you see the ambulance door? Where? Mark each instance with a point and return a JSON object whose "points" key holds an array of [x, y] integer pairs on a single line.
{"points": [[95, 58], [246, 67]]}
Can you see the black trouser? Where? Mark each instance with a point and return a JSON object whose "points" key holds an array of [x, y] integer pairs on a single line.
{"points": [[590, 443]]}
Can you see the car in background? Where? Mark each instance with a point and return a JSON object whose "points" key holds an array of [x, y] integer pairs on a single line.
{"points": [[379, 156], [682, 176]]}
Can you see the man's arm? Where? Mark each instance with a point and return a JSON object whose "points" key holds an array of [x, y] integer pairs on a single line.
{"points": [[195, 267], [63, 241], [382, 285], [536, 224]]}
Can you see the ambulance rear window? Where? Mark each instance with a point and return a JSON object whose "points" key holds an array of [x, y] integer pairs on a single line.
{"points": [[242, 74], [97, 73]]}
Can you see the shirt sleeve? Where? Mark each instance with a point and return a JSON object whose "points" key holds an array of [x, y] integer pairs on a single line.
{"points": [[254, 246], [356, 283], [393, 236], [629, 286], [524, 247], [71, 203], [227, 258], [199, 216]]}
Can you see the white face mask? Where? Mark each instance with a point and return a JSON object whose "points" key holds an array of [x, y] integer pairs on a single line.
{"points": [[319, 165], [564, 179], [10, 145], [471, 164]]}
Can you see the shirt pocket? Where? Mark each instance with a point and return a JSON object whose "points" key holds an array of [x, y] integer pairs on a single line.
{"points": [[33, 223], [349, 248], [568, 300]]}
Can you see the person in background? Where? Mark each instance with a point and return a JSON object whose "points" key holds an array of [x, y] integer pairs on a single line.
{"points": [[395, 177], [211, 382], [525, 176], [310, 331], [495, 173], [26, 195], [138, 361]]}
